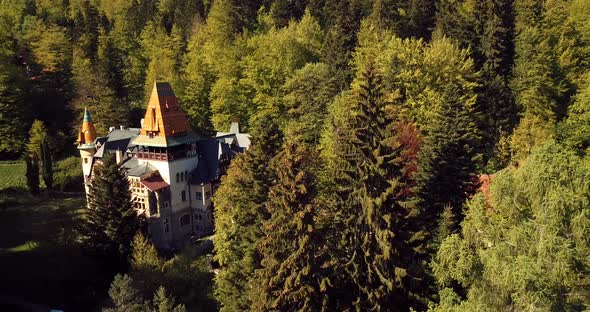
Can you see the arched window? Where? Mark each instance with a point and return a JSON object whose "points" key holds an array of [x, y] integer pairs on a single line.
{"points": [[182, 176], [183, 195], [177, 177], [185, 219]]}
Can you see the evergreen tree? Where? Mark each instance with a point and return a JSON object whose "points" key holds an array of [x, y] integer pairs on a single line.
{"points": [[146, 265], [448, 158], [376, 211], [125, 296], [487, 28], [38, 148], [32, 174], [239, 213], [47, 165], [37, 137], [162, 302], [290, 276], [110, 221]]}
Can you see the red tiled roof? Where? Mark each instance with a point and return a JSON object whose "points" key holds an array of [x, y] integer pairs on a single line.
{"points": [[154, 183]]}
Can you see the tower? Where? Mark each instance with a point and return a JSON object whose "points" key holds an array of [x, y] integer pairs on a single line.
{"points": [[86, 144], [167, 144]]}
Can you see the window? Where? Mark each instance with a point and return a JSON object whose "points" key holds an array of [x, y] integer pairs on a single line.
{"points": [[177, 177], [182, 176], [166, 228], [207, 195], [185, 219], [85, 160], [199, 195], [183, 195], [166, 204], [186, 175]]}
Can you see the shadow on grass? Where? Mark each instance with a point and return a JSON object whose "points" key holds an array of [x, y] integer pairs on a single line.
{"points": [[40, 261]]}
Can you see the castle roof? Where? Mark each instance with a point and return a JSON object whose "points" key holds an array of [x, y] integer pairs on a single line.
{"points": [[116, 140], [165, 122], [87, 134], [242, 140]]}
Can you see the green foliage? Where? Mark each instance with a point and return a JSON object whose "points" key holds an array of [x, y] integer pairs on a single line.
{"points": [[68, 175], [527, 246], [187, 278], [32, 174], [372, 205], [239, 213], [162, 302], [47, 169], [308, 93], [12, 175], [290, 275], [110, 221], [124, 295], [575, 130]]}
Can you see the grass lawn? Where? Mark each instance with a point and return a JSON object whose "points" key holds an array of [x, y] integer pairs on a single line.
{"points": [[12, 174], [39, 261]]}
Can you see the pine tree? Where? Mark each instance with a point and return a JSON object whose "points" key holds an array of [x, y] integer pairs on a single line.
{"points": [[290, 277], [239, 212], [32, 174], [110, 221]]}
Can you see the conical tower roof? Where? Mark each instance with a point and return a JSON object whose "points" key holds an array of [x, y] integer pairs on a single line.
{"points": [[87, 134]]}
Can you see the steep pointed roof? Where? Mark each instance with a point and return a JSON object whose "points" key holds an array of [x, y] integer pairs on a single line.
{"points": [[165, 122], [163, 116], [87, 134]]}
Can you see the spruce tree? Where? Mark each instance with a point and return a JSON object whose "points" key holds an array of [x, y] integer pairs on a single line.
{"points": [[239, 212], [290, 277], [110, 221], [376, 210], [448, 159]]}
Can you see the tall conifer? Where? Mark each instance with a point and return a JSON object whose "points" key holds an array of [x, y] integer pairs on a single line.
{"points": [[377, 238], [239, 213], [110, 221], [291, 275]]}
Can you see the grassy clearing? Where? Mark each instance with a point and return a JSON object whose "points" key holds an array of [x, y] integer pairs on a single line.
{"points": [[12, 174]]}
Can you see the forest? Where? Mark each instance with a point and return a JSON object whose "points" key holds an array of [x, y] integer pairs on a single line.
{"points": [[407, 155]]}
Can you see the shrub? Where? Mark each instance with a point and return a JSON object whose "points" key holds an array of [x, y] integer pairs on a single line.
{"points": [[68, 175]]}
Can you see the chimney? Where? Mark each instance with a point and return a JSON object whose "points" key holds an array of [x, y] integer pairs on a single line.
{"points": [[118, 156], [121, 127], [235, 127]]}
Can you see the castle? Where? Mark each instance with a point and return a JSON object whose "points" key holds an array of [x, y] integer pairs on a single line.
{"points": [[172, 172]]}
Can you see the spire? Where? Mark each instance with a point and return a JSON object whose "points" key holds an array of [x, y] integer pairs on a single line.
{"points": [[87, 134], [163, 116]]}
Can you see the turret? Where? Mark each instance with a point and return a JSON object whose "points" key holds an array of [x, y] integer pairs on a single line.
{"points": [[86, 144]]}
